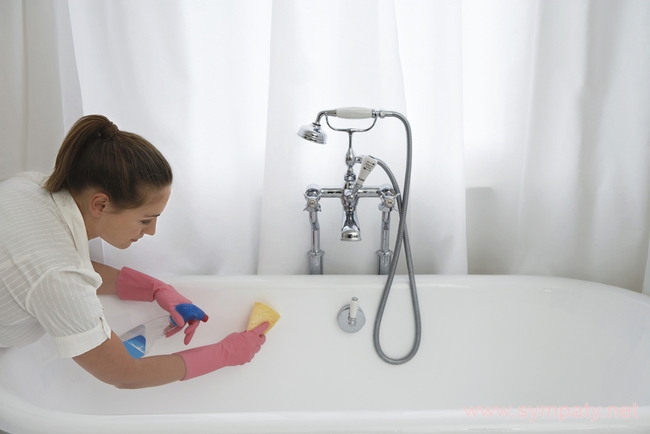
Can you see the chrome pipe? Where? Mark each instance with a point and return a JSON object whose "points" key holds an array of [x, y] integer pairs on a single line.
{"points": [[312, 195]]}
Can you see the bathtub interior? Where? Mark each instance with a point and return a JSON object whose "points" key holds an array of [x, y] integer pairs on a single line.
{"points": [[506, 341]]}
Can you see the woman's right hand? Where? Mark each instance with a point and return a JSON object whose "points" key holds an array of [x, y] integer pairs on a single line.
{"points": [[236, 349]]}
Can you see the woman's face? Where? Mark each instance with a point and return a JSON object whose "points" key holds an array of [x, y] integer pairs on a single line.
{"points": [[120, 228]]}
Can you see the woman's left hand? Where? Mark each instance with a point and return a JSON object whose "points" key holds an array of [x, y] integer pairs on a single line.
{"points": [[133, 285]]}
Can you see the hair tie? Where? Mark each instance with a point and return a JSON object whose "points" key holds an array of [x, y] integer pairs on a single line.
{"points": [[108, 131]]}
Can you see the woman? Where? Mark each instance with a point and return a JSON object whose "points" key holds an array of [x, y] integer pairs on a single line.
{"points": [[113, 185]]}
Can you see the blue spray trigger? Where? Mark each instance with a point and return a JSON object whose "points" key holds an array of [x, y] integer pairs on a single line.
{"points": [[189, 312]]}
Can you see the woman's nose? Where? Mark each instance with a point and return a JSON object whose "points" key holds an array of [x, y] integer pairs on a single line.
{"points": [[150, 229]]}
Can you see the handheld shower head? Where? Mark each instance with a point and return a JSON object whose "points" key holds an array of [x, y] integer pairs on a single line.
{"points": [[313, 133]]}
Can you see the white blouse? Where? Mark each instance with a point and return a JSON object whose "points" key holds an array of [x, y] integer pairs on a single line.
{"points": [[47, 282]]}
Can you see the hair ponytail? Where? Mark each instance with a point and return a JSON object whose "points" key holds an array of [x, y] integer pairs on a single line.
{"points": [[125, 166]]}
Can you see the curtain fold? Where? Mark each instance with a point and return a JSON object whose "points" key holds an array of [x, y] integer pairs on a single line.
{"points": [[585, 174], [40, 86], [531, 142], [431, 45], [192, 79]]}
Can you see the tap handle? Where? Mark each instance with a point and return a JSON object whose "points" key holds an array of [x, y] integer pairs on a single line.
{"points": [[351, 318], [354, 307], [312, 196], [367, 164]]}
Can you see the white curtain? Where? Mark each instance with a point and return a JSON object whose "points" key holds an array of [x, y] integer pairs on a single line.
{"points": [[530, 124]]}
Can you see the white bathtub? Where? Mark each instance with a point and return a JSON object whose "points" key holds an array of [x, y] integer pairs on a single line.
{"points": [[550, 351]]}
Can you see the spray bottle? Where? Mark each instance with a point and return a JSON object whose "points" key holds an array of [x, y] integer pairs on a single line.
{"points": [[139, 340]]}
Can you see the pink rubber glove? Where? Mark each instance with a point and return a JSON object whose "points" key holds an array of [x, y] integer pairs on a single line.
{"points": [[136, 286], [235, 349]]}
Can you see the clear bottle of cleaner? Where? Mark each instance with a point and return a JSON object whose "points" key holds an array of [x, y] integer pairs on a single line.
{"points": [[139, 340]]}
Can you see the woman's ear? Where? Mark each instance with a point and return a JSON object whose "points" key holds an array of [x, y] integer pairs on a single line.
{"points": [[99, 204]]}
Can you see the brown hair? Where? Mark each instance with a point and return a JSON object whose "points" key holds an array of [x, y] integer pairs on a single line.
{"points": [[96, 154]]}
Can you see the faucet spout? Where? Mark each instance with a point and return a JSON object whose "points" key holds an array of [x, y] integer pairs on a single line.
{"points": [[350, 229]]}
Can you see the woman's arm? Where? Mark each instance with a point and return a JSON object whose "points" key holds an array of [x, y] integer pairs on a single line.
{"points": [[112, 364], [109, 277]]}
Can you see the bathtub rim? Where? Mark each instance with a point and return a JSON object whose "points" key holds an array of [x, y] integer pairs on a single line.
{"points": [[15, 413]]}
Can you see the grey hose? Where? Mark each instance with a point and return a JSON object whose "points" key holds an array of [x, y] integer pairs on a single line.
{"points": [[402, 237]]}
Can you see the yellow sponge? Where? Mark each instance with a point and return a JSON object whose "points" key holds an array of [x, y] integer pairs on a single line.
{"points": [[262, 313]]}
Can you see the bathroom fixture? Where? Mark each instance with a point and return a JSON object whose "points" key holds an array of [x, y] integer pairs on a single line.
{"points": [[351, 318], [352, 189], [349, 194], [388, 200], [313, 195]]}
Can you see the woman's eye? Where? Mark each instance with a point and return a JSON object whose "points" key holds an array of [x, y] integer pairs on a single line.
{"points": [[146, 222]]}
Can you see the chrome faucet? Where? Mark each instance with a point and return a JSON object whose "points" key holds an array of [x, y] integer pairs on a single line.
{"points": [[351, 191], [349, 198], [349, 195]]}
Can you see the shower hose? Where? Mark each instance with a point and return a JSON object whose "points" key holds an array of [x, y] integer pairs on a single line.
{"points": [[401, 238]]}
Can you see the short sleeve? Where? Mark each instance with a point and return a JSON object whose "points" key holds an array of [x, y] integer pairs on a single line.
{"points": [[65, 303]]}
